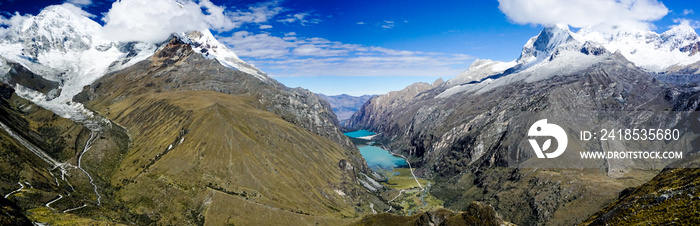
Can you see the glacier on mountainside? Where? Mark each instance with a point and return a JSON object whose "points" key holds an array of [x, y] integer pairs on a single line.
{"points": [[64, 47], [558, 51]]}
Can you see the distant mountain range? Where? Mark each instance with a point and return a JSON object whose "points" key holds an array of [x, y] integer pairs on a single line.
{"points": [[345, 105]]}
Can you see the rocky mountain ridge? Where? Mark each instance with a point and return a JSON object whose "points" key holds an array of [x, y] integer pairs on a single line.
{"points": [[468, 133]]}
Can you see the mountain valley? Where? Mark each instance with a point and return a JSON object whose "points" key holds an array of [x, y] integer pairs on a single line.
{"points": [[184, 132], [467, 133]]}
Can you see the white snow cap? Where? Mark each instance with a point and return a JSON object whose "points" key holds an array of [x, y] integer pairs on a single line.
{"points": [[558, 51], [647, 49], [62, 44], [204, 43]]}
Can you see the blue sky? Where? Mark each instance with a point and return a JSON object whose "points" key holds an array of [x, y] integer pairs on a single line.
{"points": [[372, 47]]}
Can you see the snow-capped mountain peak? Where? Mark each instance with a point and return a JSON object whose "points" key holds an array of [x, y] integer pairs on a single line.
{"points": [[205, 43], [479, 70], [55, 28], [649, 50], [558, 51], [64, 46], [548, 41], [61, 44], [679, 36]]}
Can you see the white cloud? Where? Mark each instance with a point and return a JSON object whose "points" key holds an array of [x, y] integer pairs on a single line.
{"points": [[265, 26], [295, 56], [75, 9], [686, 22], [687, 12], [258, 46], [6, 24], [153, 21], [80, 3], [290, 34], [360, 23], [217, 17], [388, 24], [259, 13], [626, 14], [302, 18]]}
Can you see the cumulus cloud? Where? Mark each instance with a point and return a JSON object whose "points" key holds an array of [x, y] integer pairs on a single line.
{"points": [[626, 14], [217, 18], [80, 3], [154, 20], [292, 56], [6, 24], [151, 21], [687, 12]]}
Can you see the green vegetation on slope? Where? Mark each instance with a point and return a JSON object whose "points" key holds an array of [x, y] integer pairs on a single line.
{"points": [[192, 146], [40, 182], [475, 214], [670, 198]]}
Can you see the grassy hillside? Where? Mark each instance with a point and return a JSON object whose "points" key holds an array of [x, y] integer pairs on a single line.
{"points": [[476, 213], [670, 198], [186, 141], [31, 183], [192, 148]]}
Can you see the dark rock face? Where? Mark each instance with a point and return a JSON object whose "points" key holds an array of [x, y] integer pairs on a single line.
{"points": [[691, 49], [543, 43], [468, 142], [11, 214], [18, 74], [590, 48], [387, 106]]}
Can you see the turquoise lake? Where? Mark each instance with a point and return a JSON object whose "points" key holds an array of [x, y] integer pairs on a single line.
{"points": [[359, 133], [377, 157]]}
